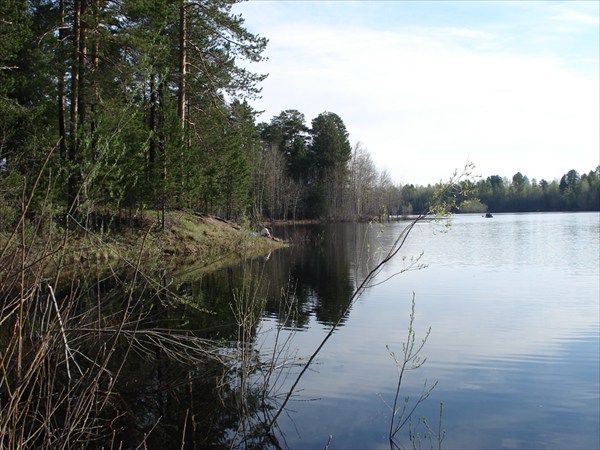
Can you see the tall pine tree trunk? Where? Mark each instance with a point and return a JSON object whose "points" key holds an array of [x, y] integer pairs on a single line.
{"points": [[181, 99], [94, 104], [62, 127], [162, 92], [154, 144], [182, 96], [73, 150], [94, 76], [78, 116]]}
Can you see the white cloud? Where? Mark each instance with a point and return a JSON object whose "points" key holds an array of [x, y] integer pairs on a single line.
{"points": [[577, 17], [422, 101]]}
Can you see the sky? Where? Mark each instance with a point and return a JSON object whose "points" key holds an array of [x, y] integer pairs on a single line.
{"points": [[428, 86]]}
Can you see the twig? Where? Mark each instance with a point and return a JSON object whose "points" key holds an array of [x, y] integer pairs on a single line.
{"points": [[187, 411], [357, 293], [64, 335]]}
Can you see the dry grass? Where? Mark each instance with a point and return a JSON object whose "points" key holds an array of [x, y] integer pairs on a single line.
{"points": [[63, 344], [190, 243], [205, 243]]}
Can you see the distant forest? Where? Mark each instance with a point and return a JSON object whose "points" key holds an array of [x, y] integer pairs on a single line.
{"points": [[117, 108]]}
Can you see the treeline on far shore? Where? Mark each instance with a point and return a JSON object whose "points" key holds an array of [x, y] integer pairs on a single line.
{"points": [[570, 192]]}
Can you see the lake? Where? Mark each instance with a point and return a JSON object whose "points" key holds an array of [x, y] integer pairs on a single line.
{"points": [[513, 306], [511, 302]]}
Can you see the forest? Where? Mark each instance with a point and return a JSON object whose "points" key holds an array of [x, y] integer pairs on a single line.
{"points": [[118, 115], [116, 108]]}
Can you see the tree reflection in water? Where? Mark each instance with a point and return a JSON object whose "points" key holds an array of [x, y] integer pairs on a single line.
{"points": [[197, 366], [226, 397], [204, 363]]}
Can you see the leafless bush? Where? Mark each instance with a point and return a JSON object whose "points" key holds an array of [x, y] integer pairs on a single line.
{"points": [[65, 342]]}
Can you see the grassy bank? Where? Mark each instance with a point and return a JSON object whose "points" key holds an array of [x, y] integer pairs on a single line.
{"points": [[204, 243], [189, 242]]}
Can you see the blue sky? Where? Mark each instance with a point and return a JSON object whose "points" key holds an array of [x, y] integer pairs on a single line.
{"points": [[426, 86]]}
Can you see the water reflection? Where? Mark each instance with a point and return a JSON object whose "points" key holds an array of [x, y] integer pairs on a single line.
{"points": [[185, 371], [228, 398], [513, 304], [317, 272], [324, 265]]}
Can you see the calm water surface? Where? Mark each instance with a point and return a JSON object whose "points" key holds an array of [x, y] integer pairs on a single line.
{"points": [[513, 306]]}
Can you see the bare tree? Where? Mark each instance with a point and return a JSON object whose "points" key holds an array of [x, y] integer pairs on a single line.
{"points": [[362, 180]]}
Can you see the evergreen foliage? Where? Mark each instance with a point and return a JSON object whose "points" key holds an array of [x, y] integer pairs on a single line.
{"points": [[136, 105]]}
